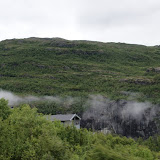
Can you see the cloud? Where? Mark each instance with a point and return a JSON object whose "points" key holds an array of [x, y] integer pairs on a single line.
{"points": [[102, 109], [14, 99], [100, 20], [98, 107], [123, 117]]}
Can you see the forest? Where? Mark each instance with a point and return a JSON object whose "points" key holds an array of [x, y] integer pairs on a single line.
{"points": [[27, 134]]}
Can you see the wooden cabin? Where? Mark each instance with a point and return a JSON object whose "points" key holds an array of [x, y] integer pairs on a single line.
{"points": [[66, 119]]}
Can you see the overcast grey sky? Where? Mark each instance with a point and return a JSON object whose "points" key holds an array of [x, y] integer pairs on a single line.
{"points": [[130, 21]]}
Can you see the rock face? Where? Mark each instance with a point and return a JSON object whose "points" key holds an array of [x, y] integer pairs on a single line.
{"points": [[127, 118], [156, 70]]}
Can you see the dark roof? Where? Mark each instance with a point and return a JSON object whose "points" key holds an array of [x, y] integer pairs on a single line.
{"points": [[62, 117]]}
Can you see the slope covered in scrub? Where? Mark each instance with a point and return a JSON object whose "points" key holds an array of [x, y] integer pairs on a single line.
{"points": [[55, 66]]}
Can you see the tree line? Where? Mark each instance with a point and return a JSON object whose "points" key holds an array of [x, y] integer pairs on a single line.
{"points": [[26, 134]]}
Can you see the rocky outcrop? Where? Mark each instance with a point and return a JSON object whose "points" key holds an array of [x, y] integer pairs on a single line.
{"points": [[156, 70], [127, 118]]}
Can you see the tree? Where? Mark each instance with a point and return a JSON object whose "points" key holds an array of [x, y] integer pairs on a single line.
{"points": [[25, 134], [4, 109]]}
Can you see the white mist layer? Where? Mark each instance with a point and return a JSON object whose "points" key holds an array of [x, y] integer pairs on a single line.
{"points": [[103, 109], [16, 100], [97, 107]]}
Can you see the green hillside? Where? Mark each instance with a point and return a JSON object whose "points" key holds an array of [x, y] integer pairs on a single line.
{"points": [[79, 68]]}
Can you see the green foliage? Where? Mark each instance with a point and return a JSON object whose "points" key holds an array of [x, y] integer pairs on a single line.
{"points": [[4, 109], [26, 134], [78, 68], [72, 68], [118, 148], [64, 106], [101, 152], [153, 143]]}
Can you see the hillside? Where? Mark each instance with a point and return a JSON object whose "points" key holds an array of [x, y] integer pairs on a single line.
{"points": [[43, 66]]}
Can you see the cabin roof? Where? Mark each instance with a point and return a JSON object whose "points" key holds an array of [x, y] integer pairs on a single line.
{"points": [[63, 117]]}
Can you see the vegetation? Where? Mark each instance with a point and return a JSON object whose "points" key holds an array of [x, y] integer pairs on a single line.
{"points": [[26, 134], [79, 68], [58, 67]]}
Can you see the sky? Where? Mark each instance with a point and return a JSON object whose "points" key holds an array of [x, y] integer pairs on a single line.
{"points": [[128, 21]]}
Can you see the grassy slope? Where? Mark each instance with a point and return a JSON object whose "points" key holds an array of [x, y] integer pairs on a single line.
{"points": [[60, 67]]}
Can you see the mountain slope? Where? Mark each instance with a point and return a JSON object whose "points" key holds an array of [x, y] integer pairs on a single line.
{"points": [[43, 66]]}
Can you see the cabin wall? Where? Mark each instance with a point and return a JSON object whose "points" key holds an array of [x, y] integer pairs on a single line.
{"points": [[76, 123], [68, 123]]}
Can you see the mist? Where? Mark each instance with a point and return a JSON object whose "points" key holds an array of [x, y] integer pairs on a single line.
{"points": [[126, 117], [97, 106], [103, 108], [14, 100]]}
